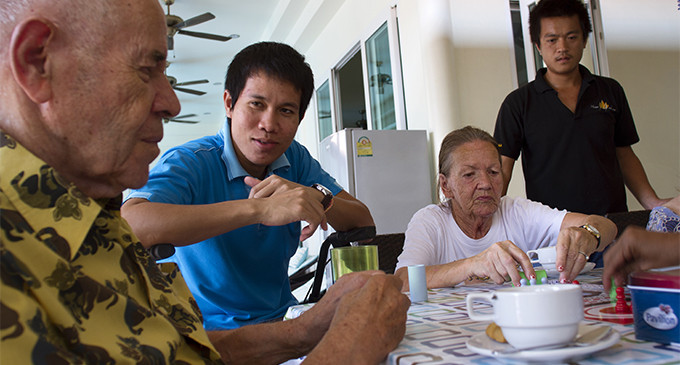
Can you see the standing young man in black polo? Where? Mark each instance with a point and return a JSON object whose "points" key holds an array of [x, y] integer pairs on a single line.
{"points": [[573, 129]]}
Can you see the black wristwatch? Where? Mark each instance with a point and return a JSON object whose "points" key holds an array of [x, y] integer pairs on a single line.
{"points": [[592, 230], [327, 201]]}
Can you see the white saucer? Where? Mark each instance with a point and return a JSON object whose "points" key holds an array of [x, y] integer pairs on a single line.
{"points": [[551, 271], [484, 345]]}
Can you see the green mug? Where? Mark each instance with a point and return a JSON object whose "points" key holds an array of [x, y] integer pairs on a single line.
{"points": [[353, 258]]}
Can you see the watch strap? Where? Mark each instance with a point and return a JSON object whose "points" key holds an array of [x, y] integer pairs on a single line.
{"points": [[327, 201], [592, 230]]}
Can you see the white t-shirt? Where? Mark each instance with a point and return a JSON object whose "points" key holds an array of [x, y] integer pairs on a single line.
{"points": [[434, 238]]}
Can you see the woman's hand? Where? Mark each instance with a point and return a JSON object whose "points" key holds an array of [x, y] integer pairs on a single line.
{"points": [[500, 263], [574, 246]]}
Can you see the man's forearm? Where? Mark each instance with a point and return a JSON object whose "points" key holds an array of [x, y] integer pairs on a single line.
{"points": [[182, 225], [348, 212], [635, 178], [267, 343]]}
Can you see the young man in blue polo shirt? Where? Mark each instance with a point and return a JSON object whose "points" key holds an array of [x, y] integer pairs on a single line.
{"points": [[573, 129], [232, 203]]}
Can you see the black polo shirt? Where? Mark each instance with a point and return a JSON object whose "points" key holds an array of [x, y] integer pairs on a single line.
{"points": [[569, 159]]}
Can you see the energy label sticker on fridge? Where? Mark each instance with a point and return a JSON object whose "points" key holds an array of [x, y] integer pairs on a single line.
{"points": [[364, 147]]}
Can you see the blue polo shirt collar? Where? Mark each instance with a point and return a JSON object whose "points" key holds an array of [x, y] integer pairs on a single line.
{"points": [[234, 168]]}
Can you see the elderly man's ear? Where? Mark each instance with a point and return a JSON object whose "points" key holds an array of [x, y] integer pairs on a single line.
{"points": [[29, 58]]}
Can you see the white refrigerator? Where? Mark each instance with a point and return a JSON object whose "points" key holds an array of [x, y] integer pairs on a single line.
{"points": [[388, 170]]}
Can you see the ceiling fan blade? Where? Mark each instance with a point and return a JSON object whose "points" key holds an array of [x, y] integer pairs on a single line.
{"points": [[185, 116], [190, 91], [206, 35], [186, 83], [195, 20], [171, 43], [184, 121]]}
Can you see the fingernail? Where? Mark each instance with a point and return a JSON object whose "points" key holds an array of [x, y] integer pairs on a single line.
{"points": [[560, 268], [532, 276], [563, 281]]}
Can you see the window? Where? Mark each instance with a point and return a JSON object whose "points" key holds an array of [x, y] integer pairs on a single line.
{"points": [[381, 91], [365, 88], [518, 42], [323, 109], [538, 59]]}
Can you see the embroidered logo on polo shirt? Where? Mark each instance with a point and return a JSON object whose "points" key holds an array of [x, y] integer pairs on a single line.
{"points": [[603, 106]]}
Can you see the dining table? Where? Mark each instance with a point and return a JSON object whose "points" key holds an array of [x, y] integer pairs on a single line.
{"points": [[439, 331]]}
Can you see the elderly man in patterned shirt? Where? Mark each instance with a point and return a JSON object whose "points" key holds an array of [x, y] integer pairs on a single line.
{"points": [[82, 95]]}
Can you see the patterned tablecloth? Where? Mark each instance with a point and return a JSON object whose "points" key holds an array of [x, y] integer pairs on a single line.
{"points": [[437, 330]]}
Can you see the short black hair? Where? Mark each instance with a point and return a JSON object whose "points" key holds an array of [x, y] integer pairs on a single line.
{"points": [[275, 60], [557, 8]]}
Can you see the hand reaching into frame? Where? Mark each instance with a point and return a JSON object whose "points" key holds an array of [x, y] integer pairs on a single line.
{"points": [[637, 250]]}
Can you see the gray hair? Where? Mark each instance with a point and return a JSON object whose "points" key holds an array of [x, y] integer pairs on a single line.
{"points": [[457, 138], [84, 26], [89, 19]]}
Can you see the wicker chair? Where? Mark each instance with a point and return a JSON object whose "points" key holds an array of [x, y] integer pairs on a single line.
{"points": [[390, 247], [624, 219]]}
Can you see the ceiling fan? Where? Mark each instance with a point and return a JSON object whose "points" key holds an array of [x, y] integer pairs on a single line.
{"points": [[179, 119], [176, 85], [176, 24]]}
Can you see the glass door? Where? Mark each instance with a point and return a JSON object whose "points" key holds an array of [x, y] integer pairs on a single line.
{"points": [[323, 110], [349, 92], [381, 90]]}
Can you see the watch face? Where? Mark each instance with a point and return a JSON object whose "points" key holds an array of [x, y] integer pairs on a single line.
{"points": [[593, 229], [323, 189], [328, 195]]}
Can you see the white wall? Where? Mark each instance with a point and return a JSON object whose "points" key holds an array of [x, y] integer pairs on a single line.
{"points": [[643, 47]]}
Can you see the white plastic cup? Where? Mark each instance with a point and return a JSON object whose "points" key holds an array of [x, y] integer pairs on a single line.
{"points": [[417, 282], [545, 255]]}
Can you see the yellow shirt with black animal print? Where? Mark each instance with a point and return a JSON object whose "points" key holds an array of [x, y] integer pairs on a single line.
{"points": [[77, 286]]}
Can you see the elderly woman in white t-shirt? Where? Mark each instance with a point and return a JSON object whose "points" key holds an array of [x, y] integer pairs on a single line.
{"points": [[476, 233]]}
